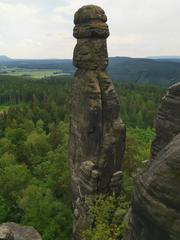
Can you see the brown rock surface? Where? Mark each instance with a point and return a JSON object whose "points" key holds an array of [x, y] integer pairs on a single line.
{"points": [[6, 233], [13, 231], [97, 134], [156, 198], [168, 120]]}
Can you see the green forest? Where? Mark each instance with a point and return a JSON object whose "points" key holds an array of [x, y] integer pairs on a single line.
{"points": [[34, 170]]}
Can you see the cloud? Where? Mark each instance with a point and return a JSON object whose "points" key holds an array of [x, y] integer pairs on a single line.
{"points": [[31, 42], [14, 11], [43, 29], [2, 44]]}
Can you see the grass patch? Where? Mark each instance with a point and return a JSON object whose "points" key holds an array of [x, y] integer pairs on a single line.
{"points": [[33, 73]]}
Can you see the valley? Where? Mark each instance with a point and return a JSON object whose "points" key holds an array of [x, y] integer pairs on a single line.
{"points": [[121, 69]]}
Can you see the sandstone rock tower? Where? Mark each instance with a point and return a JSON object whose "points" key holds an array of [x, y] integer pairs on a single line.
{"points": [[156, 196], [97, 134]]}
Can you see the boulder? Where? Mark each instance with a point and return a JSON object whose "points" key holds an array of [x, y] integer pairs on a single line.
{"points": [[6, 233], [13, 231]]}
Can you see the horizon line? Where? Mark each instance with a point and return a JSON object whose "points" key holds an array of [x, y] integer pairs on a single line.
{"points": [[145, 57]]}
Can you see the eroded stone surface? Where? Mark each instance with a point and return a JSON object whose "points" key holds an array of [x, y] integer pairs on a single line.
{"points": [[168, 120], [13, 231], [97, 134], [5, 233], [91, 32], [156, 198], [89, 13]]}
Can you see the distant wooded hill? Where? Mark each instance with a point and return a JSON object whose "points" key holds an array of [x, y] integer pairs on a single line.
{"points": [[4, 58], [141, 70], [122, 69], [166, 58]]}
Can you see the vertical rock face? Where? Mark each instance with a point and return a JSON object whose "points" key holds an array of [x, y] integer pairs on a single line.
{"points": [[97, 134], [168, 120], [156, 197]]}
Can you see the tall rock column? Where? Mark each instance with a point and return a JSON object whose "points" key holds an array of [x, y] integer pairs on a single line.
{"points": [[97, 134]]}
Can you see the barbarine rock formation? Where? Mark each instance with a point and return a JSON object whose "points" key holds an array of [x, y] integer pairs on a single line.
{"points": [[97, 134], [156, 198]]}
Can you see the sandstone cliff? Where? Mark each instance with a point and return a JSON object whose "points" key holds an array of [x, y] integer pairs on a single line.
{"points": [[156, 197], [167, 123], [97, 134]]}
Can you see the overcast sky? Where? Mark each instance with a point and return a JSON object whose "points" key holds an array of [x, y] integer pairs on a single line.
{"points": [[43, 28]]}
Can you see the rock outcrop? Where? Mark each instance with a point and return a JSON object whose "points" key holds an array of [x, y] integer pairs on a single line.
{"points": [[13, 231], [6, 233], [97, 134], [156, 197], [167, 123]]}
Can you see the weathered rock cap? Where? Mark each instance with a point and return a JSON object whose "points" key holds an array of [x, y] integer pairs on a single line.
{"points": [[94, 30], [89, 13], [90, 23], [91, 32]]}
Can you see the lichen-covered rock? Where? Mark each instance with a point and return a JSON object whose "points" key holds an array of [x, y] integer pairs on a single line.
{"points": [[97, 134], [91, 32], [89, 13], [13, 231], [168, 120], [5, 233], [90, 54]]}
